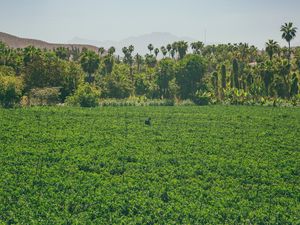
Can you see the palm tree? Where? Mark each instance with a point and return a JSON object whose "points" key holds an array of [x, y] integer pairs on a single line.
{"points": [[125, 50], [90, 63], [223, 76], [172, 53], [131, 48], [174, 49], [288, 33], [128, 58], [267, 75], [156, 51], [139, 61], [169, 48], [235, 73], [101, 51], [111, 50], [182, 47], [271, 48], [197, 47], [163, 50], [150, 47], [30, 53], [62, 53]]}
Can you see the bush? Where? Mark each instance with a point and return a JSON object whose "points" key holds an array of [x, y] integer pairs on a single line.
{"points": [[44, 96], [236, 96], [203, 98], [85, 96], [137, 101], [10, 90], [7, 71], [186, 102]]}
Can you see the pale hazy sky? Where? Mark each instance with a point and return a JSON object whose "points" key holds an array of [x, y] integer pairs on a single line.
{"points": [[252, 21]]}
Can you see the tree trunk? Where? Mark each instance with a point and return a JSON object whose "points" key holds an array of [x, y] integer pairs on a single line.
{"points": [[289, 59]]}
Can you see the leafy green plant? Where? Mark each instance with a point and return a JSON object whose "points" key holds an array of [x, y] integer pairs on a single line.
{"points": [[203, 98], [10, 90], [85, 96]]}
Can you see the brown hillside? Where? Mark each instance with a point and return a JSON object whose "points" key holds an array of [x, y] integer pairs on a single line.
{"points": [[17, 42]]}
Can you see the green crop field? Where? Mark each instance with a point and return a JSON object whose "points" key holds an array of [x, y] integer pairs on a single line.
{"points": [[193, 165]]}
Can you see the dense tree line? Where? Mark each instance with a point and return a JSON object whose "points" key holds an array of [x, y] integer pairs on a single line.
{"points": [[177, 70]]}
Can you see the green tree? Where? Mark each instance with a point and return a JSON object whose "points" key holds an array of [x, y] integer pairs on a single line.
{"points": [[182, 47], [284, 72], [267, 75], [169, 48], [109, 62], [272, 47], [294, 85], [117, 84], [150, 60], [128, 59], [190, 71], [101, 51], [62, 53], [215, 83], [165, 73], [235, 73], [150, 47], [10, 90], [156, 51], [164, 51], [288, 34], [30, 53], [223, 76], [139, 61], [86, 95], [90, 62], [111, 50], [197, 47]]}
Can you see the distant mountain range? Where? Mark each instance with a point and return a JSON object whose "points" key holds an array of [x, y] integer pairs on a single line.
{"points": [[140, 43], [17, 42], [157, 39]]}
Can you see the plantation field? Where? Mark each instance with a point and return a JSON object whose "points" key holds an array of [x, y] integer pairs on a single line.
{"points": [[194, 165]]}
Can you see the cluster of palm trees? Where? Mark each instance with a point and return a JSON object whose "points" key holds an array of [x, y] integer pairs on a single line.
{"points": [[237, 66], [240, 56], [288, 34]]}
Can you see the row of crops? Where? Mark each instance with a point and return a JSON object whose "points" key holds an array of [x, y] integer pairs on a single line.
{"points": [[193, 165]]}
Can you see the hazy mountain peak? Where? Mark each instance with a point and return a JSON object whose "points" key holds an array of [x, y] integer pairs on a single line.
{"points": [[140, 42]]}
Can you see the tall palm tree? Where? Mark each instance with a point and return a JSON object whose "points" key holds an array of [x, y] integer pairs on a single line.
{"points": [[111, 50], [139, 61], [174, 49], [131, 48], [271, 48], [169, 48], [288, 34], [90, 62], [125, 51], [182, 47], [156, 51], [172, 53], [128, 58], [101, 51], [197, 47], [163, 50], [150, 47]]}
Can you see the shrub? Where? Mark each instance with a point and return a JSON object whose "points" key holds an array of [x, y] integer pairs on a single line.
{"points": [[44, 96], [7, 71], [85, 96], [10, 90], [203, 98], [186, 102]]}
